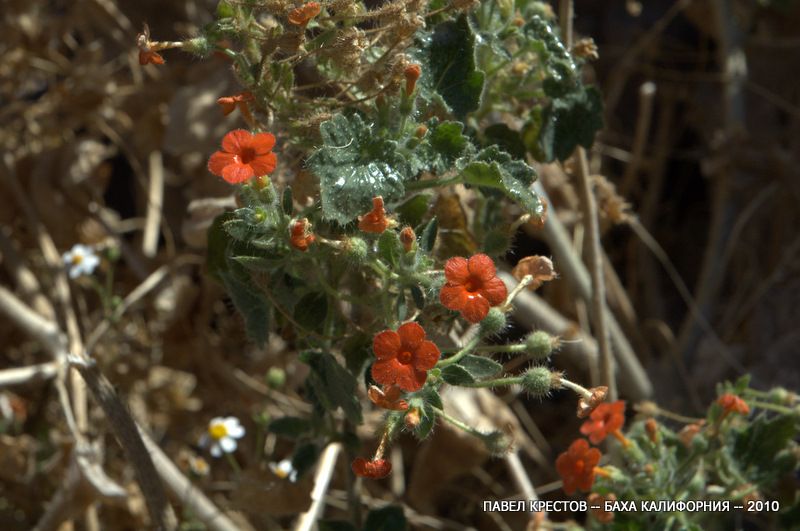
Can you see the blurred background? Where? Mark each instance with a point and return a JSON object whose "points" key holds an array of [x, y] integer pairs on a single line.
{"points": [[698, 186]]}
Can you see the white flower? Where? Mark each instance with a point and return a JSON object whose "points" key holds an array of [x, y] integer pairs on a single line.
{"points": [[284, 469], [222, 435], [80, 260]]}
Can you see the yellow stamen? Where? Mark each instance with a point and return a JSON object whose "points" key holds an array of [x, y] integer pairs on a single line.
{"points": [[217, 431]]}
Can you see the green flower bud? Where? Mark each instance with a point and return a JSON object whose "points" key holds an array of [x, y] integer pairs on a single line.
{"points": [[540, 344], [497, 443], [199, 46], [493, 323], [538, 381], [276, 377], [356, 249]]}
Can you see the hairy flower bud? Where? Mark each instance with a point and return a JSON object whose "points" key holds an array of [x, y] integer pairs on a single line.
{"points": [[538, 381], [540, 344], [356, 249], [494, 322]]}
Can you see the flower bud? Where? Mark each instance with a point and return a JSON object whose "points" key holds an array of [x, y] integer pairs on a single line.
{"points": [[497, 443], [651, 427], [199, 46], [493, 323], [540, 344], [421, 131], [538, 381], [276, 377], [356, 249], [412, 418], [408, 239], [412, 73]]}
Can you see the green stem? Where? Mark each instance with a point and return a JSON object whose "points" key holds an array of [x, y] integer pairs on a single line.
{"points": [[457, 423], [461, 353], [517, 347], [234, 464], [499, 382], [774, 407]]}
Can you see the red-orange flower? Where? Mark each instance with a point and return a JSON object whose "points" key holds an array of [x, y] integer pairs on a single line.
{"points": [[472, 287], [375, 220], [576, 466], [243, 156], [412, 73], [375, 469], [149, 57], [404, 357], [299, 236], [388, 398], [733, 404], [302, 15], [607, 418], [229, 103]]}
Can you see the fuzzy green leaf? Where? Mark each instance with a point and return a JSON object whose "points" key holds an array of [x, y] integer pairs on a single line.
{"points": [[389, 247], [251, 303], [480, 367], [354, 165], [428, 239], [310, 310], [496, 169], [763, 439], [457, 375], [570, 121], [333, 385], [451, 55]]}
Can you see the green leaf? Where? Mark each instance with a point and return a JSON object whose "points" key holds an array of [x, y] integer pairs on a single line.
{"points": [[251, 303], [402, 307], [561, 72], [570, 121], [286, 201], [763, 439], [305, 456], [480, 367], [333, 385], [451, 55], [354, 165], [427, 419], [290, 427], [225, 9], [389, 247], [414, 209], [218, 239], [389, 518], [428, 239], [457, 375], [311, 310], [506, 139], [430, 396], [496, 169], [356, 350]]}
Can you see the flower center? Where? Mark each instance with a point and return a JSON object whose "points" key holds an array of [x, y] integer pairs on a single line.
{"points": [[472, 285], [217, 431], [247, 154], [404, 357], [77, 259]]}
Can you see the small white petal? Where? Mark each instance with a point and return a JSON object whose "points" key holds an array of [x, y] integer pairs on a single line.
{"points": [[237, 432], [228, 444], [204, 441], [216, 451], [293, 476], [216, 420], [74, 272]]}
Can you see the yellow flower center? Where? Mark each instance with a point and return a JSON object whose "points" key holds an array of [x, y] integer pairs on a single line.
{"points": [[77, 259], [217, 431]]}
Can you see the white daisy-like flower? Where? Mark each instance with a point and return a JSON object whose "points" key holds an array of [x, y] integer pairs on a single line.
{"points": [[284, 469], [222, 435], [80, 260]]}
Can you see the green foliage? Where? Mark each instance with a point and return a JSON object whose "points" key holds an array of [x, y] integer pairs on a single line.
{"points": [[389, 518], [757, 446], [354, 165], [311, 310], [333, 385], [251, 303], [570, 121], [451, 56], [480, 367], [496, 169], [457, 375]]}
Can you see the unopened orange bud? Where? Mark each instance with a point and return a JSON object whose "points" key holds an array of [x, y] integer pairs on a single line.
{"points": [[412, 73], [408, 238], [651, 427], [412, 418]]}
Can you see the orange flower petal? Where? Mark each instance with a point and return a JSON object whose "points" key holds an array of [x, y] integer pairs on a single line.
{"points": [[456, 270], [236, 140], [426, 356], [411, 335], [262, 143], [409, 379], [494, 291], [264, 164], [482, 267], [453, 297], [385, 371], [237, 173], [218, 161], [475, 309], [379, 468], [386, 344]]}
